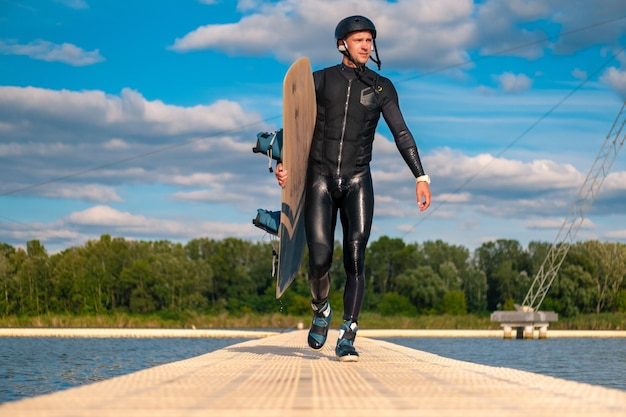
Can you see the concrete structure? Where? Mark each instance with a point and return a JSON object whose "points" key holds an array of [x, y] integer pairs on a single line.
{"points": [[280, 376], [524, 322]]}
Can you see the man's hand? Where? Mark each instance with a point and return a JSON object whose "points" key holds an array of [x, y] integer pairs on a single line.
{"points": [[422, 191], [281, 174]]}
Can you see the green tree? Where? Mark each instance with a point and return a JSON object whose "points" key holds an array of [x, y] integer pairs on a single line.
{"points": [[609, 268], [260, 267], [230, 262], [7, 278], [138, 279], [475, 289], [453, 303], [201, 251], [620, 301], [510, 283], [386, 259], [33, 275], [72, 294], [572, 291], [507, 268], [394, 304], [450, 276], [105, 259], [422, 286], [438, 254]]}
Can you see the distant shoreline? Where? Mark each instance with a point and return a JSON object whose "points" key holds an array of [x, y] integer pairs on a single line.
{"points": [[252, 334]]}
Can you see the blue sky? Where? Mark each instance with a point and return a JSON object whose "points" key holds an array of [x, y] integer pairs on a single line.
{"points": [[137, 118]]}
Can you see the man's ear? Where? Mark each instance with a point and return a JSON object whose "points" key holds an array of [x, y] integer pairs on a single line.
{"points": [[341, 45]]}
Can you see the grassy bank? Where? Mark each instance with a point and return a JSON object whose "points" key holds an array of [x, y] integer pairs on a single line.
{"points": [[605, 321]]}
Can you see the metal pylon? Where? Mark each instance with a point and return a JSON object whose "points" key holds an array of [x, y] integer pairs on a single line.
{"points": [[579, 209]]}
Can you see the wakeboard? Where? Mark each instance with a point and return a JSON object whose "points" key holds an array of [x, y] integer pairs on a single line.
{"points": [[299, 114]]}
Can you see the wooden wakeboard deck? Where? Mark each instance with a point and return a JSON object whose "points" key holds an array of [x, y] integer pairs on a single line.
{"points": [[280, 376], [299, 113]]}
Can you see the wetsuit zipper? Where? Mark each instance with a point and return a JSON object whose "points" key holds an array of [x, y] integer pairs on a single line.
{"points": [[343, 132]]}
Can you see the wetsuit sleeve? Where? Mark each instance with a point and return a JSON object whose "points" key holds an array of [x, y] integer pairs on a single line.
{"points": [[401, 133]]}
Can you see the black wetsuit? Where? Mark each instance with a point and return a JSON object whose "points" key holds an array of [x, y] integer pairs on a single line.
{"points": [[349, 105]]}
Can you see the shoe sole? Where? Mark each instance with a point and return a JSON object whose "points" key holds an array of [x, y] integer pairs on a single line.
{"points": [[349, 358]]}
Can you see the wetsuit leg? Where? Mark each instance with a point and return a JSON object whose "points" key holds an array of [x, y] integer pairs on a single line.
{"points": [[356, 210], [320, 218]]}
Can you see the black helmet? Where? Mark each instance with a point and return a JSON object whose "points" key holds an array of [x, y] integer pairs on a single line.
{"points": [[354, 24]]}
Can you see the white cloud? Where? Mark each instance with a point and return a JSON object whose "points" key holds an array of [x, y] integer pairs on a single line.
{"points": [[116, 144], [127, 114], [106, 216], [81, 226], [90, 192], [544, 224], [220, 194], [204, 179], [10, 149], [106, 219], [458, 198], [584, 25], [514, 83], [557, 223], [616, 234], [485, 172], [434, 32], [579, 74], [220, 144], [616, 79], [615, 182], [498, 27], [387, 205], [438, 34], [64, 137], [51, 52]]}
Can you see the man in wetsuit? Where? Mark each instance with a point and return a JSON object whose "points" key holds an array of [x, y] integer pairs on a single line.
{"points": [[350, 99]]}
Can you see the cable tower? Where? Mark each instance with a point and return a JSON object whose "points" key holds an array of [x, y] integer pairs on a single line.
{"points": [[528, 317], [577, 212]]}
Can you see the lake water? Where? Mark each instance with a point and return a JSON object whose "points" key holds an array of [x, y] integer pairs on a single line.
{"points": [[33, 366], [591, 360]]}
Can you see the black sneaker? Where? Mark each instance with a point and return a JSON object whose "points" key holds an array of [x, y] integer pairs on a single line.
{"points": [[345, 350], [322, 314]]}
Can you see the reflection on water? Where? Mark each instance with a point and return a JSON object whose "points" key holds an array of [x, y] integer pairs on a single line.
{"points": [[591, 360]]}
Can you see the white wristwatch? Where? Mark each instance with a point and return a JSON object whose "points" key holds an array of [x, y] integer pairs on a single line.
{"points": [[423, 178]]}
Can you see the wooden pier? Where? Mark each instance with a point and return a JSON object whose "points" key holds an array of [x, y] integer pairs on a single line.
{"points": [[280, 376]]}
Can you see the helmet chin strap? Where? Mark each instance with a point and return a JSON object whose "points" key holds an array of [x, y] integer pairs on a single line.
{"points": [[344, 50], [377, 60]]}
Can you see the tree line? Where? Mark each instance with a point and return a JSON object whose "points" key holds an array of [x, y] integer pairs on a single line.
{"points": [[208, 276]]}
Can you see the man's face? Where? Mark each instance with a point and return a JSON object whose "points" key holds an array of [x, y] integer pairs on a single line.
{"points": [[360, 46]]}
